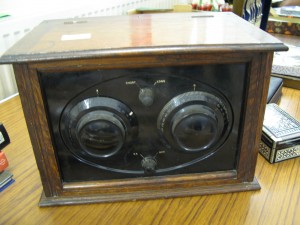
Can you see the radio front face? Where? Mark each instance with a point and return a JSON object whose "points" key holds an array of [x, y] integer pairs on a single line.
{"points": [[125, 123]]}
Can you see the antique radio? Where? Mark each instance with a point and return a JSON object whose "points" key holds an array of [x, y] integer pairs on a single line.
{"points": [[144, 106]]}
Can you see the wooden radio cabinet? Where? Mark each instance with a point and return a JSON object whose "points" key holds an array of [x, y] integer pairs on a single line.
{"points": [[144, 106]]}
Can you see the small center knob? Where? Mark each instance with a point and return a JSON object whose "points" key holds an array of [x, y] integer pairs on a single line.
{"points": [[149, 164], [146, 96]]}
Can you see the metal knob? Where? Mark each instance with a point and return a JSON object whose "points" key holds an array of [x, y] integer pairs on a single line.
{"points": [[149, 164], [146, 96]]}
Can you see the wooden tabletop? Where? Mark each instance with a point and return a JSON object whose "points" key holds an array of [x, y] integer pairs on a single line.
{"points": [[278, 201]]}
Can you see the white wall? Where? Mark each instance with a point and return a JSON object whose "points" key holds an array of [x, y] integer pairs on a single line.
{"points": [[26, 14]]}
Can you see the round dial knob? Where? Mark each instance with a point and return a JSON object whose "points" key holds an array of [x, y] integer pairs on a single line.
{"points": [[194, 126], [194, 121], [100, 133], [97, 127], [149, 164]]}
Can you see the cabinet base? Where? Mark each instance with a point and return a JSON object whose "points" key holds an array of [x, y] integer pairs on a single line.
{"points": [[144, 195]]}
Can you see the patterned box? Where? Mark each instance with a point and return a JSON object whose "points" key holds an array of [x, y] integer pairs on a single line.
{"points": [[281, 135], [283, 25]]}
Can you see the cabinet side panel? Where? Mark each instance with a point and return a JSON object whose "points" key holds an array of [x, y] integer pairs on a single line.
{"points": [[259, 78], [33, 107]]}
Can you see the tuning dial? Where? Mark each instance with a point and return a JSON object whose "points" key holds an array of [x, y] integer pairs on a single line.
{"points": [[146, 96], [194, 121], [98, 128]]}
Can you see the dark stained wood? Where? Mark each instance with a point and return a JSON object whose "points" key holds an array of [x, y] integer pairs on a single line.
{"points": [[198, 43], [27, 81], [149, 194], [141, 35], [119, 62], [291, 82], [218, 182], [262, 88]]}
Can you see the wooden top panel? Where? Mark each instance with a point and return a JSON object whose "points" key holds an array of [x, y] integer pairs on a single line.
{"points": [[140, 34]]}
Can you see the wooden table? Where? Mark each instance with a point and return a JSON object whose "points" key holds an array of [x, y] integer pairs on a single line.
{"points": [[278, 201]]}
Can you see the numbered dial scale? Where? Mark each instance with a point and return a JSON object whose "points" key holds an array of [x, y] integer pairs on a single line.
{"points": [[140, 122]]}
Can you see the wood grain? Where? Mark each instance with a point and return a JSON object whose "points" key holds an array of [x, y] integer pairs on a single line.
{"points": [[278, 202], [27, 76], [143, 41], [148, 33]]}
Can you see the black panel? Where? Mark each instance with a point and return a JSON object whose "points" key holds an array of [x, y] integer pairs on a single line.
{"points": [[109, 124]]}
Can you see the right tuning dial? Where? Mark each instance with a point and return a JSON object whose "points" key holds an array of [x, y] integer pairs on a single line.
{"points": [[194, 121]]}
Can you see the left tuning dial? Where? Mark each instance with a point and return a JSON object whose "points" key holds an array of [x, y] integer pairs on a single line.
{"points": [[98, 127]]}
